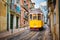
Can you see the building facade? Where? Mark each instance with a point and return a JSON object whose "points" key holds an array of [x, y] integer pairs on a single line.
{"points": [[27, 4], [9, 15], [14, 15], [54, 18], [3, 16]]}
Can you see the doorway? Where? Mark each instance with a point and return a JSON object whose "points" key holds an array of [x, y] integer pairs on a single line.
{"points": [[17, 18], [11, 21]]}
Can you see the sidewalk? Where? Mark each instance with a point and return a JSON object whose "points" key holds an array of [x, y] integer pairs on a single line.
{"points": [[15, 32], [47, 35]]}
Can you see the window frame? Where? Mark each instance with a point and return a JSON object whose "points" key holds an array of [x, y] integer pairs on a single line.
{"points": [[39, 15], [35, 16], [30, 17]]}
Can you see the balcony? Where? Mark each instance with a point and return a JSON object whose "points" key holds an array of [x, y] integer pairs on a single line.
{"points": [[25, 16], [14, 8], [26, 5]]}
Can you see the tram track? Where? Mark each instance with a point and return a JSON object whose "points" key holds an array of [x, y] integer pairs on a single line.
{"points": [[31, 35], [28, 36], [41, 35], [20, 35]]}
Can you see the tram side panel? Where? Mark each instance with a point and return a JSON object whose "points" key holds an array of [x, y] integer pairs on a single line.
{"points": [[36, 23]]}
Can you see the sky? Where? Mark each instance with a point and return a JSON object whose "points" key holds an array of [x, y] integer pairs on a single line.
{"points": [[42, 4], [37, 2]]}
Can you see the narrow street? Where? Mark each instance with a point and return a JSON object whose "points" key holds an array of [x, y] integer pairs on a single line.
{"points": [[32, 35], [29, 19]]}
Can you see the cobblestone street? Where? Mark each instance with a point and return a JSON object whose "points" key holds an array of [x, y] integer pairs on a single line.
{"points": [[32, 35]]}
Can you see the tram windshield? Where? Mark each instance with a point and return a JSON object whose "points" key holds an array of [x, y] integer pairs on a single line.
{"points": [[39, 16], [34, 16]]}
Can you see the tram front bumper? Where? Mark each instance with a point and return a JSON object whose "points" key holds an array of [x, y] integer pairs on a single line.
{"points": [[36, 27]]}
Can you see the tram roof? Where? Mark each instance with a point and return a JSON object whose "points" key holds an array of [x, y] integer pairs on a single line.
{"points": [[36, 11]]}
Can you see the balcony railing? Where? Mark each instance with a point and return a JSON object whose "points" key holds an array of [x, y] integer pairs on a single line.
{"points": [[13, 7], [25, 5], [26, 17]]}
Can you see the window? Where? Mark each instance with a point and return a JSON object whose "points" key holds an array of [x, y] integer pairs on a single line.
{"points": [[24, 22], [34, 16], [24, 1], [12, 1], [39, 17], [31, 16], [25, 4], [18, 1], [54, 18], [12, 4], [17, 22]]}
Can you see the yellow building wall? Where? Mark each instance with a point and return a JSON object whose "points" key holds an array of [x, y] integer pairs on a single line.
{"points": [[3, 17]]}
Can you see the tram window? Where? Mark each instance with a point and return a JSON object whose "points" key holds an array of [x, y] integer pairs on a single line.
{"points": [[34, 17], [31, 16], [39, 17]]}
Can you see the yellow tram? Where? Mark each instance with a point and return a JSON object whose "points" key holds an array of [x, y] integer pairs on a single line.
{"points": [[36, 20]]}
